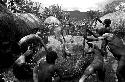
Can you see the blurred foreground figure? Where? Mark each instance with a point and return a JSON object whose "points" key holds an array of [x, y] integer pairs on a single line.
{"points": [[100, 32], [21, 70], [9, 51], [45, 71]]}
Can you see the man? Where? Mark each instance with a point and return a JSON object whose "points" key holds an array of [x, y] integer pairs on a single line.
{"points": [[99, 33], [45, 71], [97, 64], [21, 70]]}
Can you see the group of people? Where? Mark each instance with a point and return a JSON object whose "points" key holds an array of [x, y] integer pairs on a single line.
{"points": [[46, 71], [98, 62]]}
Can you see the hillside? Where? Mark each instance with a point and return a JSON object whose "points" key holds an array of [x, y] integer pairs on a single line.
{"points": [[77, 14]]}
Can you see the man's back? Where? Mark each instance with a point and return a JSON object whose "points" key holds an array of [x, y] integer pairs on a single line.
{"points": [[45, 72]]}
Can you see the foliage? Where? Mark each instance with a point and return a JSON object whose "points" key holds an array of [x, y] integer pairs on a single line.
{"points": [[24, 6], [118, 22], [93, 14], [56, 11], [111, 7], [121, 6]]}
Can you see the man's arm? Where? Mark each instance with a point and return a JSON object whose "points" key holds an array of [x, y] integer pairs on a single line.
{"points": [[92, 33], [35, 74], [90, 39], [21, 59]]}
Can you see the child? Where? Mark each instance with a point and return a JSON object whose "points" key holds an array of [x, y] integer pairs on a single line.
{"points": [[45, 71]]}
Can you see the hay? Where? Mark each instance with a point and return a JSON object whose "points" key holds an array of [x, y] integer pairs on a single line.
{"points": [[26, 22], [118, 21], [52, 20]]}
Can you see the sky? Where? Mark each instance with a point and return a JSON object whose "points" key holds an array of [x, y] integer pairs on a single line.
{"points": [[81, 5]]}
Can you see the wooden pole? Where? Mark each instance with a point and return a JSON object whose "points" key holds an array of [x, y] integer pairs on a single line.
{"points": [[84, 35]]}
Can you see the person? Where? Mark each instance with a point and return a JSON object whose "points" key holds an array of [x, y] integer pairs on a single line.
{"points": [[21, 70], [43, 34], [99, 34], [9, 50], [44, 72], [97, 64]]}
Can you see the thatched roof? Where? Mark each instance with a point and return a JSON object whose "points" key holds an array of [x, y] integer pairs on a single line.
{"points": [[117, 18], [26, 23], [32, 20], [52, 20], [16, 26]]}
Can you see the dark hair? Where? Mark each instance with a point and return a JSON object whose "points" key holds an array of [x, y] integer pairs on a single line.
{"points": [[51, 57], [90, 45], [107, 21]]}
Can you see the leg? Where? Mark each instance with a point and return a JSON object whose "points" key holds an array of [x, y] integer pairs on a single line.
{"points": [[87, 73], [97, 65], [101, 74], [35, 77], [121, 70]]}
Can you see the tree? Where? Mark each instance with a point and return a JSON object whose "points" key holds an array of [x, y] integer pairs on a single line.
{"points": [[22, 6], [56, 11], [121, 6], [93, 14], [111, 7]]}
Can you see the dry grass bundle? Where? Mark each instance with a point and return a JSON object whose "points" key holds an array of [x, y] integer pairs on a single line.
{"points": [[26, 22], [118, 21]]}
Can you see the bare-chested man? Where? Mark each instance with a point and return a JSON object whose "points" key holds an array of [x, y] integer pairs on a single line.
{"points": [[45, 71]]}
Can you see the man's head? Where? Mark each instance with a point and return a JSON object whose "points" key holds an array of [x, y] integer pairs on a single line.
{"points": [[90, 44], [51, 57], [107, 22]]}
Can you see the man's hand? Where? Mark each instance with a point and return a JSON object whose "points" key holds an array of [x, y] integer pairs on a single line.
{"points": [[28, 52], [20, 60], [91, 39]]}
